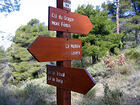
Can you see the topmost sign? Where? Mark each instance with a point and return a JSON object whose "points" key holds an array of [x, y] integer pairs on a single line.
{"points": [[62, 20]]}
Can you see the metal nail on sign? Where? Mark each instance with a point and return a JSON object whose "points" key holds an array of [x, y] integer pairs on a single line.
{"points": [[62, 20]]}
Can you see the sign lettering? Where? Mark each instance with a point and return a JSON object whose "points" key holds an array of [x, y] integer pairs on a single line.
{"points": [[63, 18]]}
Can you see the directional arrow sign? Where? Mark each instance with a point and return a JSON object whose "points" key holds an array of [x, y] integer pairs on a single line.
{"points": [[62, 20], [56, 49], [72, 79]]}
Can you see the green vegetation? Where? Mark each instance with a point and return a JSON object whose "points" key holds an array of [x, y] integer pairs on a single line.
{"points": [[36, 91], [133, 54], [23, 65], [30, 93], [111, 97], [2, 58], [101, 38], [129, 20]]}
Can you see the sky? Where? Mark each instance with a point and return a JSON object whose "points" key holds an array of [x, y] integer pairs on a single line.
{"points": [[33, 9]]}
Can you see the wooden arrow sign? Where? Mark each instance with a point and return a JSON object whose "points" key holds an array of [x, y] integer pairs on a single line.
{"points": [[62, 20], [72, 79], [56, 49]]}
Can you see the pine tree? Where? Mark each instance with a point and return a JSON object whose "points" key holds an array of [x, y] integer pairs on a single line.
{"points": [[101, 38], [22, 64], [129, 14]]}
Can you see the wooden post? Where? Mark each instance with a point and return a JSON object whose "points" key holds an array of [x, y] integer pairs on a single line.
{"points": [[63, 96]]}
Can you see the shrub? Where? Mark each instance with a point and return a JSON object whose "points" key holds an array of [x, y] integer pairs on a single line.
{"points": [[111, 97], [126, 69], [91, 94], [31, 93], [96, 69], [6, 97], [133, 54], [88, 99], [116, 51]]}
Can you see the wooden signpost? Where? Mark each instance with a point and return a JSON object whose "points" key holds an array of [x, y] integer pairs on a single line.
{"points": [[72, 79], [56, 49], [63, 49]]}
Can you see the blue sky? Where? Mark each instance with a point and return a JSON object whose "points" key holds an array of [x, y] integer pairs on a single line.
{"points": [[33, 9]]}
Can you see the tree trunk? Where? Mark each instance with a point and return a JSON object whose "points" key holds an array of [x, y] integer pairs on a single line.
{"points": [[135, 8], [117, 16], [94, 59], [137, 36]]}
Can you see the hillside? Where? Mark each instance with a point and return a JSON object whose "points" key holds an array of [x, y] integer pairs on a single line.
{"points": [[116, 85]]}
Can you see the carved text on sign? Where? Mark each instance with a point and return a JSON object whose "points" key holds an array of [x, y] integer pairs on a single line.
{"points": [[55, 76], [65, 20]]}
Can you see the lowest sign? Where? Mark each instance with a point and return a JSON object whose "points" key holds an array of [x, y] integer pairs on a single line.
{"points": [[56, 49], [72, 79]]}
